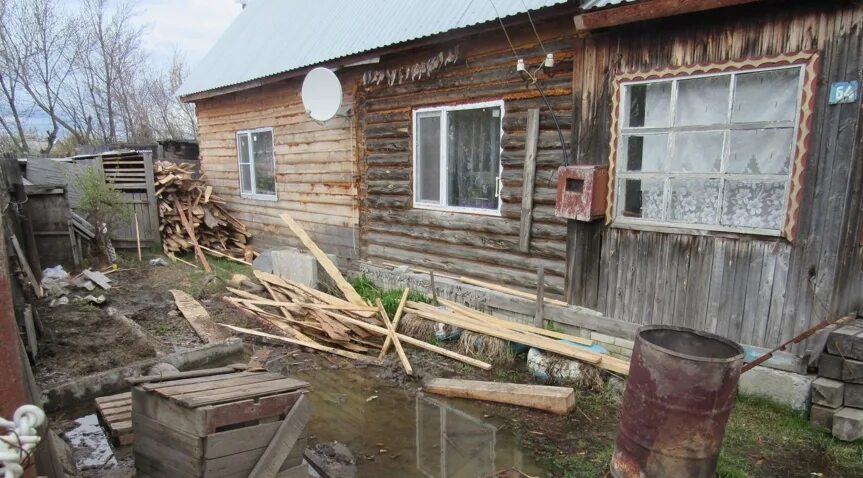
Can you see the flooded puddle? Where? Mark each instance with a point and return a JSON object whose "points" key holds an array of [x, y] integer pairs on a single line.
{"points": [[90, 445], [393, 432]]}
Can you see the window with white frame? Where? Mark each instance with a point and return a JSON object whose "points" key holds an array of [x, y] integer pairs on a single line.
{"points": [[711, 152], [257, 163], [457, 157]]}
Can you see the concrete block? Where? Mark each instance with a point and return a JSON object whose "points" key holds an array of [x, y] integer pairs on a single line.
{"points": [[841, 341], [788, 388], [852, 371], [828, 392], [821, 418], [848, 424], [605, 339], [853, 396], [830, 366], [294, 265], [627, 344], [264, 262]]}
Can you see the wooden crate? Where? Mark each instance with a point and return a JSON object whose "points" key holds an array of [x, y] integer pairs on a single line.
{"points": [[215, 426]]}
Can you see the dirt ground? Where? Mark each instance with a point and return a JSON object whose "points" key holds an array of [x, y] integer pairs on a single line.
{"points": [[763, 440]]}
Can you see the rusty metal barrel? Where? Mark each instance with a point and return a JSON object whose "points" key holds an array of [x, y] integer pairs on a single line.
{"points": [[681, 389]]}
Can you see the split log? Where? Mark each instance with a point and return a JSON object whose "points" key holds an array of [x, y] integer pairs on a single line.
{"points": [[560, 400]]}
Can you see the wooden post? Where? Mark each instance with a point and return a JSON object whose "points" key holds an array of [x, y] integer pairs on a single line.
{"points": [[433, 290], [399, 311], [138, 238], [76, 259], [529, 179], [283, 441], [190, 230], [540, 297]]}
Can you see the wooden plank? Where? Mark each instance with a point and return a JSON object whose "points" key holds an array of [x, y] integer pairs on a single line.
{"points": [[538, 320], [311, 345], [186, 391], [510, 291], [98, 278], [559, 400], [283, 441], [190, 230], [225, 256], [602, 361], [621, 15], [528, 181], [419, 343], [229, 414], [399, 312], [170, 414], [22, 260], [392, 335], [185, 375], [491, 320], [307, 305], [198, 317], [241, 392], [138, 238], [343, 285]]}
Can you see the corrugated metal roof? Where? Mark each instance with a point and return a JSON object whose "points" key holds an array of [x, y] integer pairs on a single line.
{"points": [[591, 4], [276, 36]]}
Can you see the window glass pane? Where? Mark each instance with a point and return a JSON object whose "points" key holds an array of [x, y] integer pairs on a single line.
{"points": [[243, 148], [697, 152], [754, 204], [428, 157], [473, 157], [766, 96], [648, 104], [265, 172], [246, 178], [761, 151], [641, 198], [648, 152], [702, 101], [694, 200]]}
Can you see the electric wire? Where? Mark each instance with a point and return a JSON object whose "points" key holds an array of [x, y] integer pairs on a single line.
{"points": [[532, 25], [505, 33]]}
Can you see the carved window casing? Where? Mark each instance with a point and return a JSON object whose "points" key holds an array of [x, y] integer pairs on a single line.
{"points": [[718, 147]]}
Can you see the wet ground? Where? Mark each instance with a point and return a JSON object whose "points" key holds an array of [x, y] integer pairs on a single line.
{"points": [[374, 422]]}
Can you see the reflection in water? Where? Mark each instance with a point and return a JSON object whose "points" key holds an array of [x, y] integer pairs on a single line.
{"points": [[394, 433], [451, 443]]}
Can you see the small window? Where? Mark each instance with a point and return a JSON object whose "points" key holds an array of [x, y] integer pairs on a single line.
{"points": [[711, 152], [257, 163], [457, 158]]}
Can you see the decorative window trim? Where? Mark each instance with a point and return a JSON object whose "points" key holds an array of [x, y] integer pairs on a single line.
{"points": [[255, 195], [810, 62], [417, 204]]}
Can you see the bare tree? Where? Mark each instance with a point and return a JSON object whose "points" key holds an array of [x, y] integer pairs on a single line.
{"points": [[11, 56], [169, 117]]}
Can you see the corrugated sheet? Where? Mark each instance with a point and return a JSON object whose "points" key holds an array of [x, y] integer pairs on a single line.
{"points": [[275, 36], [591, 4]]}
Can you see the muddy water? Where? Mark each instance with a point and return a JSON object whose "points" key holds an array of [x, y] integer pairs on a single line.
{"points": [[393, 432]]}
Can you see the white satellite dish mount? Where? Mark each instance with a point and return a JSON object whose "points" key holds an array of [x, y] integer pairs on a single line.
{"points": [[322, 94]]}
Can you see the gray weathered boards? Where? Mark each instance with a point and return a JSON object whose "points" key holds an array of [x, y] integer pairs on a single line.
{"points": [[213, 426]]}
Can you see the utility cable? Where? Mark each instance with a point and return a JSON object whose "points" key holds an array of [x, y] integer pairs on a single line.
{"points": [[532, 25], [502, 27]]}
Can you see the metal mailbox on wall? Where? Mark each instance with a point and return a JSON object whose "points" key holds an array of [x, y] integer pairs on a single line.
{"points": [[581, 192]]}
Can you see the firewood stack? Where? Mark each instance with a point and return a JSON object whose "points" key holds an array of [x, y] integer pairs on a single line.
{"points": [[180, 193]]}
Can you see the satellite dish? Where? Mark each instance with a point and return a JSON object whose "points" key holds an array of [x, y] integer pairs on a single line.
{"points": [[322, 94]]}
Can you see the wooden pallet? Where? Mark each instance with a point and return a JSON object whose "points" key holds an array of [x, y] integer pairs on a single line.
{"points": [[115, 415], [215, 426]]}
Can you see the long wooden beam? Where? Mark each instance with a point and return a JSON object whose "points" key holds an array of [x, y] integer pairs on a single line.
{"points": [[649, 10]]}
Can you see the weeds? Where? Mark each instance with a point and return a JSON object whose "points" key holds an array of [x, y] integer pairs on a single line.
{"points": [[389, 298]]}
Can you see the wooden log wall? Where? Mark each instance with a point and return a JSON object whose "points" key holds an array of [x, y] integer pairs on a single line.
{"points": [[754, 290], [315, 165], [485, 247]]}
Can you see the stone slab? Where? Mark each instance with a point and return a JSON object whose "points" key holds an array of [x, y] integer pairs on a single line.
{"points": [[853, 396], [788, 388], [828, 392], [821, 418], [852, 371], [848, 424], [841, 341], [830, 366]]}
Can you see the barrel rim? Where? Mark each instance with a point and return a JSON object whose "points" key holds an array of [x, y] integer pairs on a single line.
{"points": [[645, 343]]}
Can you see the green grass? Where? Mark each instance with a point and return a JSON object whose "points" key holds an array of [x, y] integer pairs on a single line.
{"points": [[389, 298]]}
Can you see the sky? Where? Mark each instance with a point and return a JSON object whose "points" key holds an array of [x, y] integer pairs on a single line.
{"points": [[192, 25]]}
